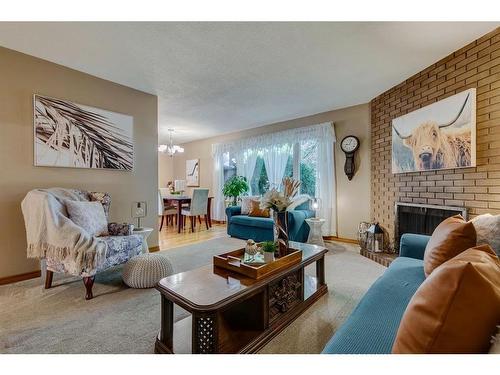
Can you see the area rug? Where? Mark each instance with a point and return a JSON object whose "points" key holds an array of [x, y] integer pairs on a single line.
{"points": [[124, 320]]}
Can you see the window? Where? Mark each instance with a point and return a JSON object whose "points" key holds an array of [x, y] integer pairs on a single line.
{"points": [[259, 182], [308, 167], [229, 166], [301, 164]]}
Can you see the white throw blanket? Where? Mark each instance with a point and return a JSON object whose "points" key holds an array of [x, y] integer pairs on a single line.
{"points": [[51, 234]]}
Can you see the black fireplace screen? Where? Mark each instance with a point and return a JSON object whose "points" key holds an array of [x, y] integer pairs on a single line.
{"points": [[421, 219]]}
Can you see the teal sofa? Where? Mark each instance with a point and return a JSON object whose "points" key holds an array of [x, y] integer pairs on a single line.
{"points": [[372, 326], [261, 228]]}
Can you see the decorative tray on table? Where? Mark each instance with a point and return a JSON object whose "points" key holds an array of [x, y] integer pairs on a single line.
{"points": [[253, 266]]}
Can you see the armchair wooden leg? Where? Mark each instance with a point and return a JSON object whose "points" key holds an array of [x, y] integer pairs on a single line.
{"points": [[89, 283], [199, 219], [48, 279], [161, 224], [192, 219], [206, 221]]}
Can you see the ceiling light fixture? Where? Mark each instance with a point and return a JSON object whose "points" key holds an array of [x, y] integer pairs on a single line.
{"points": [[170, 148]]}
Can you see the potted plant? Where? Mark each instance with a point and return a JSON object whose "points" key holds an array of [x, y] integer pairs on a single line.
{"points": [[268, 248], [234, 187]]}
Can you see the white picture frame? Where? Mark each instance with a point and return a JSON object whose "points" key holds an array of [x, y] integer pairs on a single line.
{"points": [[193, 172]]}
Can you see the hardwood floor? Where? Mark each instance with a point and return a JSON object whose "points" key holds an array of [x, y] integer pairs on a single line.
{"points": [[169, 238]]}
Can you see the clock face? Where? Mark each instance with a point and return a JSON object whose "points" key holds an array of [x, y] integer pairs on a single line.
{"points": [[349, 144]]}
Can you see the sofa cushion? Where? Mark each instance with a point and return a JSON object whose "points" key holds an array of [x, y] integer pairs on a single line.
{"points": [[456, 309], [256, 211], [246, 203], [449, 239], [89, 216], [259, 222], [488, 231], [372, 326]]}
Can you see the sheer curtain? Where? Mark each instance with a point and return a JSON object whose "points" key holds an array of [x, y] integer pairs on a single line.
{"points": [[325, 181], [218, 209], [275, 159], [275, 149], [245, 162]]}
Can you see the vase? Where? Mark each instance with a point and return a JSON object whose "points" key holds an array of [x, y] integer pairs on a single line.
{"points": [[268, 257], [280, 231]]}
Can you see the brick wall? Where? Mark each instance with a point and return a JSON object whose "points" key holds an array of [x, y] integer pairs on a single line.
{"points": [[476, 65]]}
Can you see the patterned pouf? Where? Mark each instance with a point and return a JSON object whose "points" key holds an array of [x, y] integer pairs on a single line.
{"points": [[145, 270]]}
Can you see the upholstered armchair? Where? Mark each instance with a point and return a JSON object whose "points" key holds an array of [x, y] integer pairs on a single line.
{"points": [[68, 248]]}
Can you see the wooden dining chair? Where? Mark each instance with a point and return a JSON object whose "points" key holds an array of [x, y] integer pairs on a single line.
{"points": [[168, 212], [198, 207]]}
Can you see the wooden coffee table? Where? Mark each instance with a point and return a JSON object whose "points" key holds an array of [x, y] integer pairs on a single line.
{"points": [[231, 313]]}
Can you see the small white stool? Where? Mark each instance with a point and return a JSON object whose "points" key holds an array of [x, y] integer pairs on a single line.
{"points": [[145, 270], [315, 236]]}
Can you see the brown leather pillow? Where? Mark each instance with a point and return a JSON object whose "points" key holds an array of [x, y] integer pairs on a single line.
{"points": [[456, 309], [256, 211], [449, 239]]}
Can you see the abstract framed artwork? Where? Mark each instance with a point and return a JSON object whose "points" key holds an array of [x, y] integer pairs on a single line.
{"points": [[193, 172], [68, 134], [441, 135]]}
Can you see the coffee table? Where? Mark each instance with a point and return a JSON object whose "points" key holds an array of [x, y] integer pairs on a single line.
{"points": [[231, 313]]}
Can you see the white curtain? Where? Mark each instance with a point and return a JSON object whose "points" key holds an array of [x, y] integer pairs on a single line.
{"points": [[245, 162], [218, 209], [275, 148], [325, 181], [275, 159]]}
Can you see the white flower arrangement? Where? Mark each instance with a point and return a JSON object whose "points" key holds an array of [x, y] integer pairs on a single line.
{"points": [[279, 201]]}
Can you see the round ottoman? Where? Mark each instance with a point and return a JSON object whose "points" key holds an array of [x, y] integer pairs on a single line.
{"points": [[145, 270]]}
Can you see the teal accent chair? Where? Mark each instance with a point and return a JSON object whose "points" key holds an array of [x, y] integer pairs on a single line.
{"points": [[372, 326], [261, 228]]}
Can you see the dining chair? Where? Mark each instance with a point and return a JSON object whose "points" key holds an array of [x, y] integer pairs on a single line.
{"points": [[165, 211], [198, 207]]}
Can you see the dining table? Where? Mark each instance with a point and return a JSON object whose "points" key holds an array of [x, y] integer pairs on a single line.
{"points": [[179, 200]]}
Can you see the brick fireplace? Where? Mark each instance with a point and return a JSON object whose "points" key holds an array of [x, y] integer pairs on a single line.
{"points": [[477, 65]]}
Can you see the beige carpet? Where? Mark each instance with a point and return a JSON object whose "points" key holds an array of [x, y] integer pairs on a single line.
{"points": [[124, 320]]}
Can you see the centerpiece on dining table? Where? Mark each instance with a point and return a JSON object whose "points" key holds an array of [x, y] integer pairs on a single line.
{"points": [[278, 201]]}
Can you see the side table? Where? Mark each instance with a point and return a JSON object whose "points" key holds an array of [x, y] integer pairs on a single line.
{"points": [[315, 236], [144, 232]]}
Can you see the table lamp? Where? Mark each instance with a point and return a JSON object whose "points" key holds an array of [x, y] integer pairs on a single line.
{"points": [[139, 210], [316, 202]]}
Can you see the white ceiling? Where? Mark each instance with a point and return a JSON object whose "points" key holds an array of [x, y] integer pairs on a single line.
{"points": [[215, 78]]}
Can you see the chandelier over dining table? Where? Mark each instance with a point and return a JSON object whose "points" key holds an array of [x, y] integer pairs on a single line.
{"points": [[170, 148]]}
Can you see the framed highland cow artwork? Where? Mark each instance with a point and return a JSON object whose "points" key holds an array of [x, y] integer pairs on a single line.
{"points": [[441, 135], [68, 134]]}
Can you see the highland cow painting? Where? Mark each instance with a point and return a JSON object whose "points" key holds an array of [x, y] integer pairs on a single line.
{"points": [[73, 135], [441, 135]]}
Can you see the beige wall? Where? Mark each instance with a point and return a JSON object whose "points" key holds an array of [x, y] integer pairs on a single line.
{"points": [[353, 197], [165, 169], [21, 76], [476, 65]]}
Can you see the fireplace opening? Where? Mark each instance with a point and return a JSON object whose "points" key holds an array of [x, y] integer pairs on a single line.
{"points": [[421, 218]]}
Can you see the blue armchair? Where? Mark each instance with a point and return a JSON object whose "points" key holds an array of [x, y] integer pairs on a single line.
{"points": [[261, 228]]}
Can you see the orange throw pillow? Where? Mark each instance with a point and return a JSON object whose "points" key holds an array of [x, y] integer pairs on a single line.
{"points": [[256, 211], [456, 309], [449, 239]]}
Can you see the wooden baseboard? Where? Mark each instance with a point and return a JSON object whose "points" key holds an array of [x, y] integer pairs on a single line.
{"points": [[218, 222], [154, 249], [21, 277], [340, 239]]}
